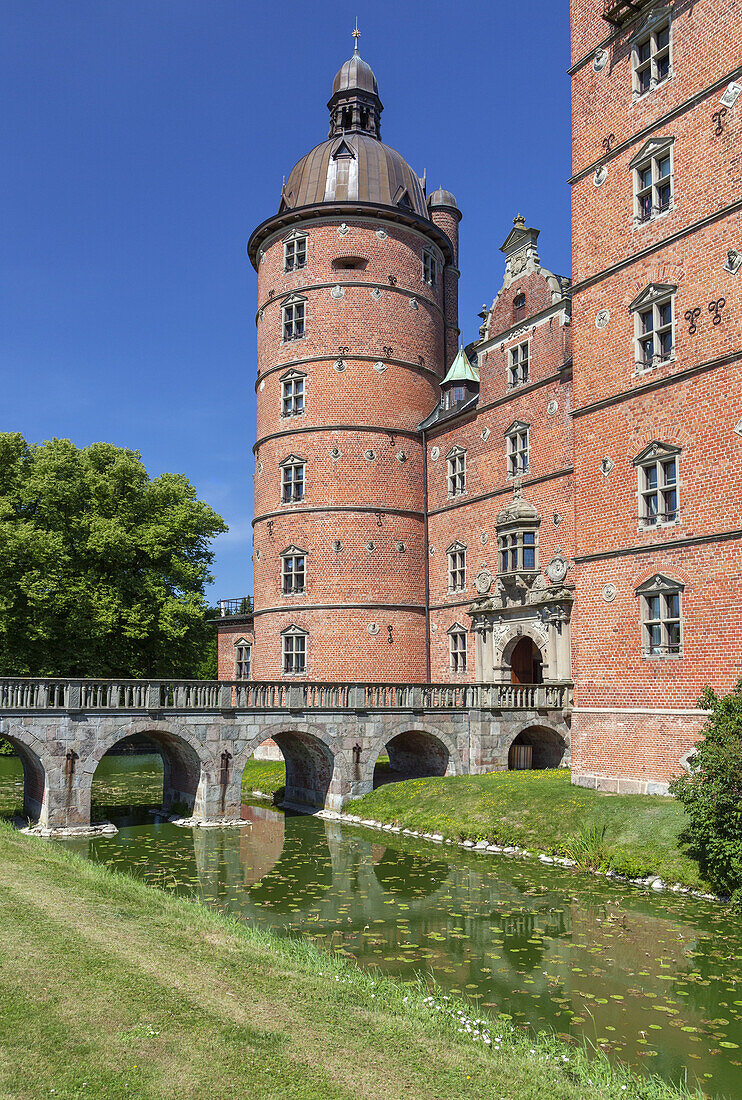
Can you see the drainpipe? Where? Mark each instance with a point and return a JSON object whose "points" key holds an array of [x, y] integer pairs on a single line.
{"points": [[426, 555]]}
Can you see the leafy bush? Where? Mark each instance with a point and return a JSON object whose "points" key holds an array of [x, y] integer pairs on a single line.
{"points": [[588, 848], [712, 794], [6, 749], [631, 864]]}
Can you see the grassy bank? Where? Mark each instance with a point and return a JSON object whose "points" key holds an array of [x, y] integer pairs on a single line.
{"points": [[109, 988], [267, 776], [543, 811]]}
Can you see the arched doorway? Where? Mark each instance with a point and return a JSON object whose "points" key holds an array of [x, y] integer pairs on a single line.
{"points": [[411, 755], [525, 662], [536, 748], [156, 770]]}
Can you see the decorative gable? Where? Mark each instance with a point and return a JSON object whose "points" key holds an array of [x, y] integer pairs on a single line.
{"points": [[294, 631], [292, 299], [343, 151], [456, 451], [289, 375], [517, 426], [652, 293], [292, 460], [457, 628], [455, 547], [292, 551], [659, 583], [656, 450], [652, 148]]}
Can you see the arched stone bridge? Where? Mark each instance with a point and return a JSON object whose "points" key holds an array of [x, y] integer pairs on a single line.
{"points": [[330, 735]]}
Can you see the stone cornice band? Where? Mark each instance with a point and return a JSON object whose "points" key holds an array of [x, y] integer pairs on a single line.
{"points": [[370, 510]]}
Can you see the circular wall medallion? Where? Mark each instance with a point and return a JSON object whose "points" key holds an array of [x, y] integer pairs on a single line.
{"points": [[433, 628], [369, 455], [414, 304], [376, 294], [340, 365], [381, 234], [484, 538], [401, 547], [486, 433], [343, 229], [606, 465], [556, 570], [602, 317], [483, 582], [600, 60], [434, 453], [337, 545], [337, 292], [552, 407], [380, 367], [601, 175], [373, 628], [609, 592]]}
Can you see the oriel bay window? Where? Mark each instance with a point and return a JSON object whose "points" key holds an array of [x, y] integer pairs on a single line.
{"points": [[660, 605], [292, 313], [292, 393], [293, 570], [292, 479], [294, 649], [457, 647], [654, 325], [517, 537], [456, 567], [657, 467]]}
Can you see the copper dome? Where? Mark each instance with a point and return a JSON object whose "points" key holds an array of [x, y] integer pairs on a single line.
{"points": [[355, 73], [355, 167]]}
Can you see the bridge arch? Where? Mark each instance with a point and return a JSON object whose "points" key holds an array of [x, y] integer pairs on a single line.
{"points": [[313, 767], [415, 751], [537, 745], [187, 765], [37, 768]]}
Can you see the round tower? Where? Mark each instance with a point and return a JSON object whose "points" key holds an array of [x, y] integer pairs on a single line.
{"points": [[352, 322]]}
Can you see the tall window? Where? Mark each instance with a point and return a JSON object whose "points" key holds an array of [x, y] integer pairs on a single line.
{"points": [[518, 365], [657, 467], [660, 601], [654, 327], [516, 442], [652, 168], [430, 268], [519, 307], [456, 472], [456, 567], [293, 320], [295, 252], [292, 479], [457, 648], [517, 551], [292, 394], [651, 58], [242, 660], [294, 649], [293, 571]]}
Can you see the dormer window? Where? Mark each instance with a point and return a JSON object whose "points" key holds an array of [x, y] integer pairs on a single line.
{"points": [[295, 252], [519, 307]]}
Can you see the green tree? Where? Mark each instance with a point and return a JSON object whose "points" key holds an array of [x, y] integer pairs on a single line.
{"points": [[712, 793], [102, 568]]}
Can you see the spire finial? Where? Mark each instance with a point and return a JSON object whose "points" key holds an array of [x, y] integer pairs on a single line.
{"points": [[356, 35]]}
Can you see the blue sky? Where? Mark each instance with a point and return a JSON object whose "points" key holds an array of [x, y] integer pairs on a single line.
{"points": [[144, 139]]}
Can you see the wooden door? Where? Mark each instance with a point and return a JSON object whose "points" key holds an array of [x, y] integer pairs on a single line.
{"points": [[522, 669]]}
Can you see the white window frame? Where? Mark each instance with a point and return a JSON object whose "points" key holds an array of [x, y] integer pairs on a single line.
{"points": [[456, 477], [651, 343], [294, 651], [293, 318], [661, 617], [456, 555], [651, 64], [242, 659], [293, 488], [293, 571], [293, 393], [457, 652], [519, 359], [430, 268], [658, 487], [650, 158], [518, 449], [295, 250]]}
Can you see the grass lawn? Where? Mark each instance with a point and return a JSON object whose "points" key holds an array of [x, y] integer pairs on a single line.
{"points": [[540, 810], [111, 989], [263, 775]]}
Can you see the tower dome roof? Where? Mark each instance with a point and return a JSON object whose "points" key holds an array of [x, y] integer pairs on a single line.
{"points": [[441, 197], [354, 167], [355, 73]]}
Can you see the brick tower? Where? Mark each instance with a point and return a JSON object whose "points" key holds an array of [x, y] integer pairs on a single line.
{"points": [[357, 314]]}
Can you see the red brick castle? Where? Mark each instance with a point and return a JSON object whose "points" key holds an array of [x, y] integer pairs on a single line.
{"points": [[560, 501]]}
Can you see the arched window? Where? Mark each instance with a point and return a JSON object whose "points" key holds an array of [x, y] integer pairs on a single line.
{"points": [[519, 307]]}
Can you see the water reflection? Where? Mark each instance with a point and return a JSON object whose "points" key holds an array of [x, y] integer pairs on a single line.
{"points": [[657, 981]]}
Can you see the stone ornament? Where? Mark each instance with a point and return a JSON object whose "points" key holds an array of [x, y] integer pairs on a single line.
{"points": [[734, 261], [606, 465], [432, 550], [261, 314], [370, 546], [731, 94], [433, 628], [260, 467], [257, 554], [557, 568], [369, 455], [380, 367], [401, 456], [261, 387], [335, 453], [340, 365], [486, 433], [556, 519], [376, 294], [400, 547], [600, 60], [738, 428], [552, 407], [372, 628], [343, 230], [414, 304], [261, 256], [601, 175], [337, 545], [609, 592], [381, 234], [484, 538], [483, 582], [602, 317], [435, 453], [337, 292]]}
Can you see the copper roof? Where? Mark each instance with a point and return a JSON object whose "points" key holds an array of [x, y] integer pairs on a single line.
{"points": [[355, 73], [355, 167]]}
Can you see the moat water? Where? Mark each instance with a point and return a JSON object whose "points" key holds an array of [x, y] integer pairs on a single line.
{"points": [[654, 980]]}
